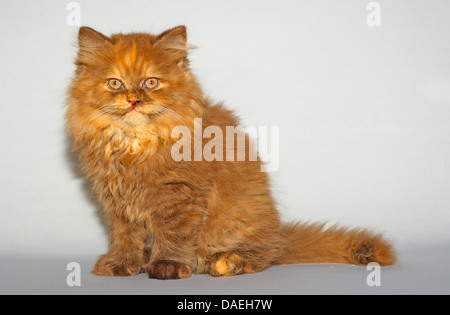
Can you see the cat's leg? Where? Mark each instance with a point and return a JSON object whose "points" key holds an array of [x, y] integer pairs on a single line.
{"points": [[175, 232], [125, 255]]}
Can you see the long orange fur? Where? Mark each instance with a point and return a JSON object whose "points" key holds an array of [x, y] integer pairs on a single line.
{"points": [[172, 219]]}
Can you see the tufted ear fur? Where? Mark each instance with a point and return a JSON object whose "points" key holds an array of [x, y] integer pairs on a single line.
{"points": [[90, 43], [174, 42], [174, 38]]}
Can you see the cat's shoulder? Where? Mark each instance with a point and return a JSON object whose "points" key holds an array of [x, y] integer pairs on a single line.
{"points": [[217, 114]]}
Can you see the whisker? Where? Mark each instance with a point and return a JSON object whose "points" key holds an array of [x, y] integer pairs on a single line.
{"points": [[178, 119], [170, 112]]}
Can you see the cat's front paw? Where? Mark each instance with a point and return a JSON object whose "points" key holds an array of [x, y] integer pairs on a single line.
{"points": [[110, 266], [169, 269]]}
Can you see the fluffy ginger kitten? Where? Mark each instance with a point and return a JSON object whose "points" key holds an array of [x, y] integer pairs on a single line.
{"points": [[171, 218]]}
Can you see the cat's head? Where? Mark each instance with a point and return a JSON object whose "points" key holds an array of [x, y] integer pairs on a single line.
{"points": [[133, 78]]}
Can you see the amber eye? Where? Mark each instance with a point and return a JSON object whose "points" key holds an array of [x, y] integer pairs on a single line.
{"points": [[151, 83], [114, 84]]}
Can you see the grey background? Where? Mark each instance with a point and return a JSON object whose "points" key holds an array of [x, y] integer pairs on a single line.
{"points": [[363, 114]]}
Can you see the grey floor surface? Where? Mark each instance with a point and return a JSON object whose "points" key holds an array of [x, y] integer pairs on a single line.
{"points": [[421, 270]]}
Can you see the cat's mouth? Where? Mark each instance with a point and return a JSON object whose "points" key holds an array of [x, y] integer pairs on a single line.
{"points": [[134, 112], [153, 110]]}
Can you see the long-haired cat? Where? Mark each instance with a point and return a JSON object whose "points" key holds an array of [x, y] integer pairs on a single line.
{"points": [[171, 218]]}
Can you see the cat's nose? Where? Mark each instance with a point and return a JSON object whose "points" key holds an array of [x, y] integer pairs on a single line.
{"points": [[133, 100]]}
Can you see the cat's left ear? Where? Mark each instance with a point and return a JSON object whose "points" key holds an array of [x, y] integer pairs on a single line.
{"points": [[174, 38], [174, 41]]}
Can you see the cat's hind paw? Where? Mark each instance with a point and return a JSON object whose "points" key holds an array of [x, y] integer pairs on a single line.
{"points": [[229, 264]]}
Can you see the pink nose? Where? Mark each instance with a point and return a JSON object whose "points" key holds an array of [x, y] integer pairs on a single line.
{"points": [[133, 101]]}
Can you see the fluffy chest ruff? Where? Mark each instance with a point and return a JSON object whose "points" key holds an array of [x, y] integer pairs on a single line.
{"points": [[124, 168]]}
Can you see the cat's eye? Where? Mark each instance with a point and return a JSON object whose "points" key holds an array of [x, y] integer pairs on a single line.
{"points": [[114, 84], [151, 83]]}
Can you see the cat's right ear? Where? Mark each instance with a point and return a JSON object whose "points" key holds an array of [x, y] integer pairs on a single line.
{"points": [[90, 43]]}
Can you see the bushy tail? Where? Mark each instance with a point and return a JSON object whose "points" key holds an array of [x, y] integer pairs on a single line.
{"points": [[312, 243]]}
